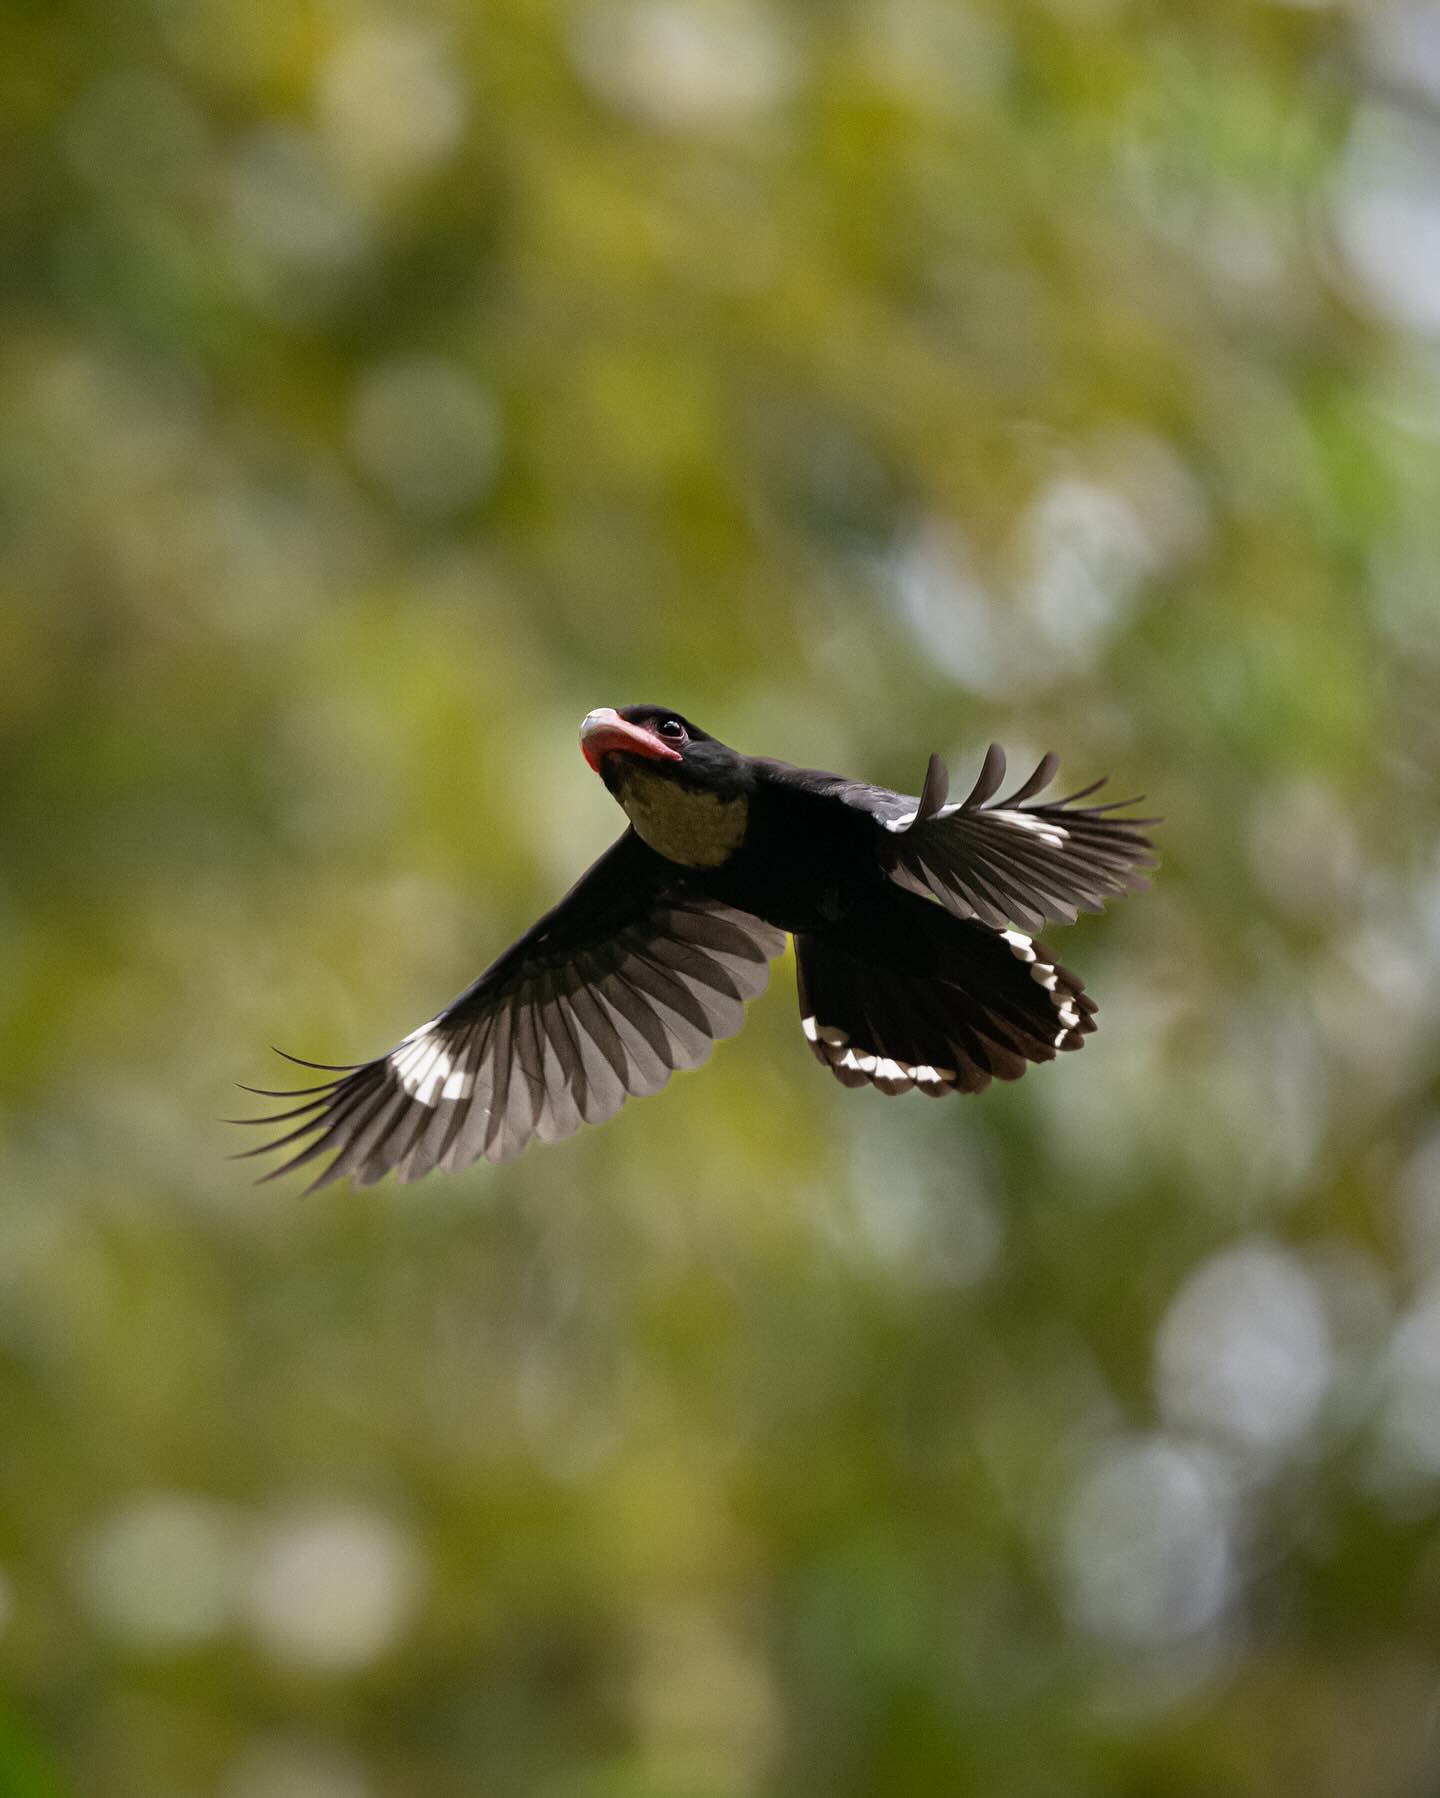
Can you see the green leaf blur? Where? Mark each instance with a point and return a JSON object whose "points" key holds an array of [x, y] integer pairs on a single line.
{"points": [[380, 389]]}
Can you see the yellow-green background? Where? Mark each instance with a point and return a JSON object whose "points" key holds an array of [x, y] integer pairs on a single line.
{"points": [[380, 389]]}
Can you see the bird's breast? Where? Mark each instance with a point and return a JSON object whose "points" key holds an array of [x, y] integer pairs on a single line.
{"points": [[695, 828]]}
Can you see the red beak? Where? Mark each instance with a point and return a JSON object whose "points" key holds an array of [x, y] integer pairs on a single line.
{"points": [[605, 730]]}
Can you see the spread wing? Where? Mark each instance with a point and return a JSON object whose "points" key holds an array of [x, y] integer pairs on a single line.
{"points": [[1012, 860], [628, 978]]}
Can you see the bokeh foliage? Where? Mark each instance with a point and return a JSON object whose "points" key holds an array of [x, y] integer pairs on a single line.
{"points": [[381, 390]]}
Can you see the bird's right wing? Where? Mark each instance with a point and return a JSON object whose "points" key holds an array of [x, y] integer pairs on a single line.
{"points": [[628, 978], [1012, 860]]}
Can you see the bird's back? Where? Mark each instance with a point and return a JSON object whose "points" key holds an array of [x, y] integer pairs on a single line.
{"points": [[808, 854]]}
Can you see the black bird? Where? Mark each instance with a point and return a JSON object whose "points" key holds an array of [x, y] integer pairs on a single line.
{"points": [[910, 919]]}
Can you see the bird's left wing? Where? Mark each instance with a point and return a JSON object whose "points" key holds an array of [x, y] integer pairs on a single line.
{"points": [[1012, 860], [628, 978]]}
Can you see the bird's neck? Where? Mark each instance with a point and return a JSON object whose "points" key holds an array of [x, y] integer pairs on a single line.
{"points": [[694, 826]]}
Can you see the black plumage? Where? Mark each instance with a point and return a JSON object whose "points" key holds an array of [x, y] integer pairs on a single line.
{"points": [[909, 916]]}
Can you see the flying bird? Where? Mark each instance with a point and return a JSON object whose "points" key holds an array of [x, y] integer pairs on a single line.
{"points": [[912, 919]]}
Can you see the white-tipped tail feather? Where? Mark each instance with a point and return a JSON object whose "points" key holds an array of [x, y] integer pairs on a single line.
{"points": [[911, 999]]}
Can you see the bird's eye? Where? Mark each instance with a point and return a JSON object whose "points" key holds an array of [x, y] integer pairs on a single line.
{"points": [[674, 729]]}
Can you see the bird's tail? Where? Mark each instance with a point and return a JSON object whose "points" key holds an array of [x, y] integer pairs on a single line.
{"points": [[903, 995]]}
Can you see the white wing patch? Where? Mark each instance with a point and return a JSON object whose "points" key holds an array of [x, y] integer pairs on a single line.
{"points": [[428, 1071]]}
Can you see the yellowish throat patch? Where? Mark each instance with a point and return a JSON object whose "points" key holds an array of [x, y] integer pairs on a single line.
{"points": [[698, 830]]}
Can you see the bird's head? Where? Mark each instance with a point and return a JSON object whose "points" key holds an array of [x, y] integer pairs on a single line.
{"points": [[653, 740], [649, 731], [684, 791]]}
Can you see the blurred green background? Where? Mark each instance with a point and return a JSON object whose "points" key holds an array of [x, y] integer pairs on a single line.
{"points": [[380, 389]]}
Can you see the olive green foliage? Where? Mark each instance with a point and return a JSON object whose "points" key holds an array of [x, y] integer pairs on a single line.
{"points": [[379, 391]]}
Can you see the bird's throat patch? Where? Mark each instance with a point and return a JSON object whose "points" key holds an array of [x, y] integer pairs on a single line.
{"points": [[696, 829]]}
